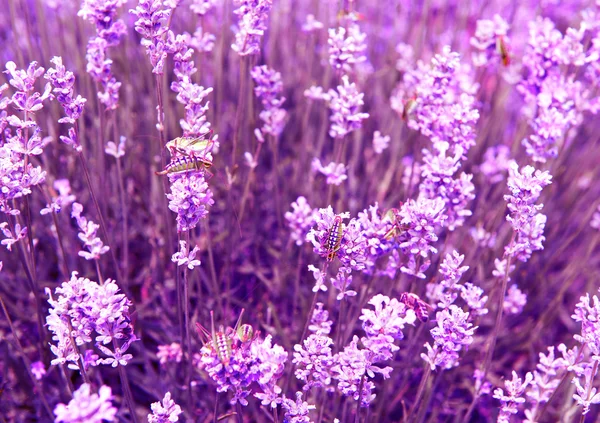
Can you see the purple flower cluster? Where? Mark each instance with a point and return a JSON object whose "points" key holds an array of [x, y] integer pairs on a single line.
{"points": [[88, 235], [345, 104], [251, 361], [252, 25], [109, 30], [82, 308], [300, 220], [347, 46], [87, 407], [314, 361], [268, 88], [489, 39], [152, 26], [190, 198], [165, 411], [452, 333], [525, 187]]}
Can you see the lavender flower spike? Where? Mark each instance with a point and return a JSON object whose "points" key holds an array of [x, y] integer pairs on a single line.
{"points": [[165, 411], [87, 407], [252, 25], [345, 104]]}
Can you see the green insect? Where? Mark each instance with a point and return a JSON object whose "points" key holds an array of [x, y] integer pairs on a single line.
{"points": [[190, 154], [223, 341]]}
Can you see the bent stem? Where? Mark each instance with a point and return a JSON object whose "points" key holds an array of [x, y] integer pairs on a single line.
{"points": [[420, 390]]}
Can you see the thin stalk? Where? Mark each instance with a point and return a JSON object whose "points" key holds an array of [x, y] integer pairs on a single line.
{"points": [[26, 361], [490, 352], [360, 391], [420, 390], [127, 392], [67, 380], [589, 388], [188, 342], [124, 237], [240, 109], [211, 261], [100, 218]]}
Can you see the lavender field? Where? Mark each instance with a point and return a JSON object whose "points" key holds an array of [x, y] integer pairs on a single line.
{"points": [[299, 211]]}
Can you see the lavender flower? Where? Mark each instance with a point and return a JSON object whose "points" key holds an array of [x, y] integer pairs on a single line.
{"points": [[319, 321], [514, 301], [352, 246], [152, 26], [347, 47], [117, 151], [300, 220], [514, 396], [311, 24], [253, 15], [353, 368], [345, 104], [528, 225], [37, 368], [83, 307], [165, 411], [586, 394], [452, 333], [183, 257], [88, 235], [334, 172], [268, 88], [172, 352], [489, 35], [473, 296], [380, 142], [63, 199], [447, 290], [384, 325], [314, 361], [421, 218], [11, 239], [63, 81], [297, 411], [190, 198], [495, 163], [88, 407]]}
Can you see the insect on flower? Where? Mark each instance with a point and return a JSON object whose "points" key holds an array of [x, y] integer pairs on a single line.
{"points": [[333, 240], [413, 302], [393, 216], [502, 49], [410, 105], [222, 341], [190, 154]]}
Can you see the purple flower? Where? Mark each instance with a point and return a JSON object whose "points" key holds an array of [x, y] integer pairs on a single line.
{"points": [[319, 321], [300, 220], [586, 394], [347, 47], [25, 99], [514, 301], [268, 88], [63, 199], [495, 162], [353, 243], [201, 7], [11, 239], [183, 257], [116, 151], [63, 81], [313, 361], [514, 396], [473, 296], [83, 307], [353, 366], [452, 333], [88, 235], [252, 25], [37, 369], [190, 198], [489, 35], [311, 24], [525, 186], [165, 411], [334, 172], [87, 407], [421, 218], [152, 25], [447, 289], [384, 325], [345, 104], [587, 312], [297, 411], [380, 142], [172, 352]]}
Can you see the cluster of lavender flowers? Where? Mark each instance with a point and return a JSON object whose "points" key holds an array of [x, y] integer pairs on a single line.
{"points": [[85, 311]]}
